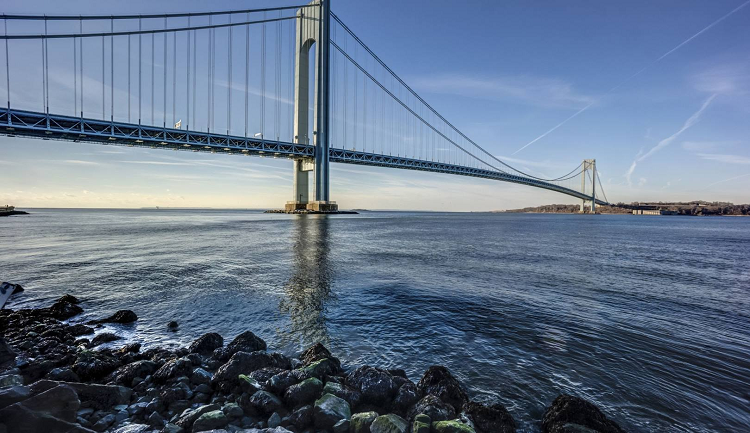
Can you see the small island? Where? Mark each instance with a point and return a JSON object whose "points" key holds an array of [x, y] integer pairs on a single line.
{"points": [[11, 210]]}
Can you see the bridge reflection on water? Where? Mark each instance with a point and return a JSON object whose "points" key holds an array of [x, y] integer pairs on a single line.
{"points": [[309, 287]]}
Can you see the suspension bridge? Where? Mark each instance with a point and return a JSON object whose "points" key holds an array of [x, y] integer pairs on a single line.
{"points": [[241, 82]]}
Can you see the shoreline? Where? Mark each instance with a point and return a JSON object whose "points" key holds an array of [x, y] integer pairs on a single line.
{"points": [[54, 376]]}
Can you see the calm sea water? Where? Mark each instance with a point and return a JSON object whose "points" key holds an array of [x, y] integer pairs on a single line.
{"points": [[649, 317]]}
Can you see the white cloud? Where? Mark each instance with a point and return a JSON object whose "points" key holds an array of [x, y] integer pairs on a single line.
{"points": [[726, 159]]}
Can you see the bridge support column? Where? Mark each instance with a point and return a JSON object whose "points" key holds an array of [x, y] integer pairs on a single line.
{"points": [[313, 28], [589, 165]]}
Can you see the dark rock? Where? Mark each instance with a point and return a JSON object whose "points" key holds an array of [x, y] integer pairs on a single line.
{"points": [[80, 329], [433, 407], [188, 417], [13, 394], [104, 337], [210, 421], [17, 289], [63, 374], [173, 325], [155, 420], [407, 396], [341, 426], [422, 424], [353, 397], [179, 391], [49, 411], [280, 382], [263, 375], [489, 418], [274, 420], [317, 352], [70, 299], [451, 426], [569, 414], [329, 410], [302, 417], [439, 382], [128, 372], [90, 365], [390, 423], [62, 310], [100, 397], [361, 422], [227, 375], [174, 368], [245, 342], [262, 401], [233, 411], [206, 344], [321, 369], [6, 353], [122, 316], [200, 376], [375, 384], [304, 392]]}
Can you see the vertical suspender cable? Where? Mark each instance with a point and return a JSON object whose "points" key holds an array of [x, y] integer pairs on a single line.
{"points": [[80, 22], [75, 76], [112, 71], [104, 102], [229, 79], [164, 86], [174, 77], [195, 72], [291, 81], [247, 67], [346, 98], [152, 77], [44, 68], [277, 83], [7, 67], [46, 65], [213, 76], [129, 68], [140, 70], [187, 79], [263, 79], [208, 79], [356, 102]]}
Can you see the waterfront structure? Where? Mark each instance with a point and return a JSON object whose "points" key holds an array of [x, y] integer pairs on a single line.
{"points": [[364, 113]]}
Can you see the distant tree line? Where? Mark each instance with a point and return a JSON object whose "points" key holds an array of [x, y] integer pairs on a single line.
{"points": [[682, 208]]}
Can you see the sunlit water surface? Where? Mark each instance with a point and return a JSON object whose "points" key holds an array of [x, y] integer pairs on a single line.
{"points": [[646, 316]]}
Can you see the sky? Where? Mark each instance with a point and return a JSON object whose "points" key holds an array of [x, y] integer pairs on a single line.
{"points": [[657, 92]]}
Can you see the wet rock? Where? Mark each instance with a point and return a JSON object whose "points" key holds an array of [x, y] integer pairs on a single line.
{"points": [[179, 391], [489, 418], [104, 337], [62, 310], [274, 420], [173, 325], [122, 316], [156, 420], [352, 396], [573, 414], [329, 410], [104, 422], [101, 397], [320, 369], [206, 344], [422, 424], [407, 396], [13, 394], [188, 417], [248, 385], [63, 374], [51, 410], [6, 353], [341, 426], [200, 376], [132, 428], [210, 420], [317, 352], [128, 372], [69, 299], [302, 417], [361, 422], [439, 382], [233, 411], [263, 375], [172, 428], [261, 401], [433, 407], [304, 392], [390, 423], [174, 368], [451, 426], [376, 385], [280, 382], [90, 365], [226, 377], [245, 342], [80, 329]]}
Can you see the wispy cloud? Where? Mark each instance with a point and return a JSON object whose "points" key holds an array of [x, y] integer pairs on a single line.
{"points": [[728, 78], [727, 180], [703, 146], [79, 162], [639, 72], [536, 91], [726, 159], [667, 141]]}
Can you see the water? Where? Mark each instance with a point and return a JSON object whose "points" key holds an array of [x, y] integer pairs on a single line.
{"points": [[645, 316]]}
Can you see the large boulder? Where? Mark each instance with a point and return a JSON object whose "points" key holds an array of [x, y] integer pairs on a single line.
{"points": [[329, 410], [376, 385], [489, 418], [245, 342], [206, 344], [6, 353], [63, 310], [304, 392], [226, 377], [433, 407], [279, 383], [51, 410], [353, 397], [104, 337], [128, 372], [568, 414], [361, 422], [100, 397], [261, 401], [451, 426], [438, 381], [13, 394], [390, 423], [302, 417], [318, 352], [188, 416], [90, 365], [407, 396], [212, 420], [173, 368]]}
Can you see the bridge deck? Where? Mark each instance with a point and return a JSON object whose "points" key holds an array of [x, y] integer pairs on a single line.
{"points": [[55, 127]]}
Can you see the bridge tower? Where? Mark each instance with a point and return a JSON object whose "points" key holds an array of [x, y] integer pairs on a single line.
{"points": [[589, 168], [313, 29]]}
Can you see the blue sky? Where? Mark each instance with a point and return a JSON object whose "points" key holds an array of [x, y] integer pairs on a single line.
{"points": [[657, 92]]}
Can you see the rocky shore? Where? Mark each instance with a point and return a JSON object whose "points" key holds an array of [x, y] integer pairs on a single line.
{"points": [[55, 377]]}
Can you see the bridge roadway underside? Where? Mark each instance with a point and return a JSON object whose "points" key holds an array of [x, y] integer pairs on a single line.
{"points": [[32, 124]]}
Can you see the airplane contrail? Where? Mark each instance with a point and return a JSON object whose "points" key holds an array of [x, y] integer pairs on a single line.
{"points": [[733, 11]]}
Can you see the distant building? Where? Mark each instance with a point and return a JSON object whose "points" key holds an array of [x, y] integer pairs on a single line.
{"points": [[653, 212], [8, 208]]}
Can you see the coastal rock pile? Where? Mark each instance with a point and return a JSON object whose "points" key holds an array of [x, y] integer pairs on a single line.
{"points": [[53, 380]]}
